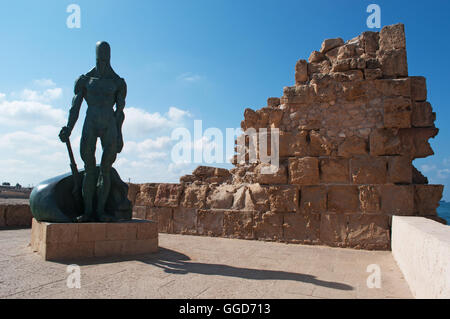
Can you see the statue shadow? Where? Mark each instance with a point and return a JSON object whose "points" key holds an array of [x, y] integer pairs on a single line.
{"points": [[173, 262]]}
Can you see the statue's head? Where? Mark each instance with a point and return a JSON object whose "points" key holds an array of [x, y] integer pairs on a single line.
{"points": [[103, 55]]}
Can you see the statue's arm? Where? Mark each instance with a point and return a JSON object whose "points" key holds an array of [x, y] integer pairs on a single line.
{"points": [[77, 100], [120, 103]]}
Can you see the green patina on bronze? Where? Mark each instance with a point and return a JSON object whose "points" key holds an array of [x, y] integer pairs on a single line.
{"points": [[99, 194]]}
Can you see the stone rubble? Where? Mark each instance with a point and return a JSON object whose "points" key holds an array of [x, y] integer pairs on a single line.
{"points": [[350, 128]]}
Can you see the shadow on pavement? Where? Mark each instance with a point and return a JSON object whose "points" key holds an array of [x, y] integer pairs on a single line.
{"points": [[174, 262]]}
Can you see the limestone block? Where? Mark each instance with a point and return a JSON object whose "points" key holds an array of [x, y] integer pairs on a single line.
{"points": [[313, 199], [399, 170], [168, 195], [426, 199], [258, 198], [304, 171], [194, 196], [330, 44], [392, 37], [140, 212], [268, 226], [369, 199], [221, 197], [301, 72], [18, 215], [146, 195], [88, 232], [164, 217], [294, 143], [370, 232], [334, 170], [133, 190], [393, 87], [333, 229], [280, 175], [316, 57], [394, 63], [343, 199], [352, 146], [121, 231], [283, 198], [185, 221], [69, 241], [422, 115], [415, 141], [418, 88], [273, 102], [373, 74], [369, 42], [368, 170], [385, 142], [238, 224], [2, 215], [301, 228], [397, 112], [397, 199], [210, 222]]}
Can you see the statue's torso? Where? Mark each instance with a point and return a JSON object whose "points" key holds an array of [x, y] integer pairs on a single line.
{"points": [[100, 95]]}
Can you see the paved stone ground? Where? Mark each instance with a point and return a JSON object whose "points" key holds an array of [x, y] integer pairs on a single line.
{"points": [[202, 267]]}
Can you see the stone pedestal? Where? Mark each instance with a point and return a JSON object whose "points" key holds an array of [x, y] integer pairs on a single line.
{"points": [[62, 241]]}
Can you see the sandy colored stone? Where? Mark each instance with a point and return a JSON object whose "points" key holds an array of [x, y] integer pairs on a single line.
{"points": [[334, 170], [397, 199], [210, 222], [426, 199], [221, 197], [283, 198], [352, 146], [370, 199], [238, 224], [163, 216], [418, 88], [92, 232], [422, 115], [304, 171], [194, 196], [301, 72], [392, 37], [343, 199], [300, 228], [168, 195], [146, 195], [121, 231], [268, 226], [397, 112], [313, 199], [333, 229], [184, 220], [330, 44], [368, 170], [369, 232], [399, 170]]}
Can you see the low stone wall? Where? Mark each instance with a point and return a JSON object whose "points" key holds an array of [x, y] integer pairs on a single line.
{"points": [[15, 213], [421, 248]]}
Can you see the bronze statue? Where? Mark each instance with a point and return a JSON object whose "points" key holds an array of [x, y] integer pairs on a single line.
{"points": [[102, 88]]}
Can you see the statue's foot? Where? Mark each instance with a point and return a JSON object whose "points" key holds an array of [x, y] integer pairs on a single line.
{"points": [[84, 218], [104, 218]]}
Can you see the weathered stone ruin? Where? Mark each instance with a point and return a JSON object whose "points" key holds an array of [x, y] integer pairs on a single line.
{"points": [[349, 131]]}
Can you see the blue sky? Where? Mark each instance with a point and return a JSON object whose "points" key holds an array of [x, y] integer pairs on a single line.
{"points": [[186, 60]]}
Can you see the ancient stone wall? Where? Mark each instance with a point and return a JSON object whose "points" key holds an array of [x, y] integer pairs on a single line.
{"points": [[349, 131]]}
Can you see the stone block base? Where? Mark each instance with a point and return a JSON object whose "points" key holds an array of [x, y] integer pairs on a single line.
{"points": [[62, 241]]}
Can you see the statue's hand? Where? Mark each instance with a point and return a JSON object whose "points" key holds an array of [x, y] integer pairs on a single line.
{"points": [[64, 134]]}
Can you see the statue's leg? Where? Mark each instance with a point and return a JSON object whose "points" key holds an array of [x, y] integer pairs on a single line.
{"points": [[109, 145], [87, 150]]}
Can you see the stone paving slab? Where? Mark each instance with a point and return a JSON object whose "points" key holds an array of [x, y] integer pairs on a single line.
{"points": [[202, 267]]}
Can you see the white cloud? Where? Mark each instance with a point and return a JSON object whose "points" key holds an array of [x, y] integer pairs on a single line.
{"points": [[140, 123], [425, 168], [189, 77], [47, 95], [44, 82]]}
